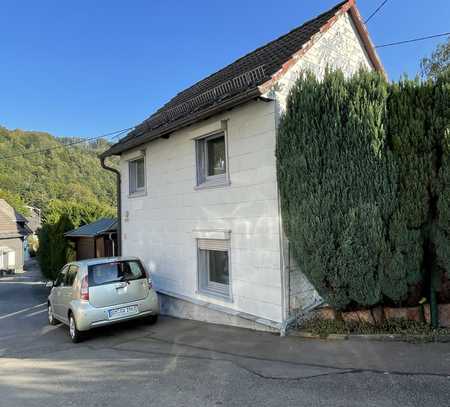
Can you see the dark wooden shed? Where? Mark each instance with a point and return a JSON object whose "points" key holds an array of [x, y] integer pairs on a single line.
{"points": [[97, 239]]}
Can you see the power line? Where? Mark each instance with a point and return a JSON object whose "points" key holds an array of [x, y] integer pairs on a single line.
{"points": [[114, 134], [412, 40], [376, 11]]}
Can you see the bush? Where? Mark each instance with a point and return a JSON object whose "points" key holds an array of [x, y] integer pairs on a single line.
{"points": [[60, 217], [364, 175], [337, 184], [54, 249]]}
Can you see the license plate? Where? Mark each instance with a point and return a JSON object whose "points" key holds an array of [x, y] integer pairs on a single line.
{"points": [[123, 312]]}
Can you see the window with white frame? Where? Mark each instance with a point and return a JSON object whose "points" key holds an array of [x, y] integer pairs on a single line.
{"points": [[137, 175], [212, 160], [214, 267]]}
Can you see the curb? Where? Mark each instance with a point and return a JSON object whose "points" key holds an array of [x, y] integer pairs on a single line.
{"points": [[373, 337]]}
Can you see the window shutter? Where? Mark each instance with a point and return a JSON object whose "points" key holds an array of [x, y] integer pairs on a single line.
{"points": [[213, 244]]}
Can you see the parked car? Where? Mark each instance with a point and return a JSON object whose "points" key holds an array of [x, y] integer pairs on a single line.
{"points": [[98, 292]]}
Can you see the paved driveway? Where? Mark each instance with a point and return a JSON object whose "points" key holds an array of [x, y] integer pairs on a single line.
{"points": [[186, 363]]}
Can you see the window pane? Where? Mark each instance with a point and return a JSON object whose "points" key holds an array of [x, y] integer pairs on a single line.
{"points": [[115, 272], [218, 267], [216, 156], [140, 176]]}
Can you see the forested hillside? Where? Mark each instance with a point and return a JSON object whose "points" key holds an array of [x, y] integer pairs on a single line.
{"points": [[60, 174]]}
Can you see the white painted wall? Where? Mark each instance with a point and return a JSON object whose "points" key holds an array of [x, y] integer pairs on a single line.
{"points": [[159, 226], [339, 47]]}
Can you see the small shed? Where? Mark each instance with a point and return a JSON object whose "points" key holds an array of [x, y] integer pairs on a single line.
{"points": [[97, 239]]}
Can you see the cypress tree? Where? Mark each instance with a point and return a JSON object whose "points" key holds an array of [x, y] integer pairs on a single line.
{"points": [[337, 184]]}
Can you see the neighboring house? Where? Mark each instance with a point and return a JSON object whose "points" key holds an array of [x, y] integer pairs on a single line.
{"points": [[97, 239], [34, 219], [199, 192], [13, 231]]}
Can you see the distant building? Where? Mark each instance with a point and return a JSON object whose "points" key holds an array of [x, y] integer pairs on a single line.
{"points": [[97, 239], [13, 231], [34, 219]]}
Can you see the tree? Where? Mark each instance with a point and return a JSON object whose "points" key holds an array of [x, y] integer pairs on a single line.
{"points": [[438, 62], [337, 185], [15, 201]]}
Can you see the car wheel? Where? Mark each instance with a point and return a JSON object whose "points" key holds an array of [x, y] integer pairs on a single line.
{"points": [[74, 333], [51, 318], [152, 319]]}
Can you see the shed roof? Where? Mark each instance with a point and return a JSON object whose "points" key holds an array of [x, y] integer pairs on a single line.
{"points": [[237, 83], [93, 229]]}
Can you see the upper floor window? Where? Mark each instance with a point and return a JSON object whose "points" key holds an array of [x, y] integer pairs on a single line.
{"points": [[137, 175], [212, 160]]}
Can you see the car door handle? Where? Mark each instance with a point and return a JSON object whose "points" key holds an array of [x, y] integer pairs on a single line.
{"points": [[121, 285]]}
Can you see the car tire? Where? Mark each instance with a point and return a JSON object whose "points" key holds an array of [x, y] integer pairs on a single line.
{"points": [[152, 319], [75, 335], [51, 317]]}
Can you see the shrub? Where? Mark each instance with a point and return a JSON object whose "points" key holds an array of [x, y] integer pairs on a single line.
{"points": [[364, 175], [337, 184]]}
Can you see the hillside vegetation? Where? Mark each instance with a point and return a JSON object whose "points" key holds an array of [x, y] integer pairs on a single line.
{"points": [[53, 177]]}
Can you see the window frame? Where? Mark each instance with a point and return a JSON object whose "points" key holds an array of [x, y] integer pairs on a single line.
{"points": [[204, 285], [201, 160], [133, 189]]}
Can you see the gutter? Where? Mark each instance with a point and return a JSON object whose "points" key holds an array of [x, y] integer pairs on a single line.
{"points": [[119, 203]]}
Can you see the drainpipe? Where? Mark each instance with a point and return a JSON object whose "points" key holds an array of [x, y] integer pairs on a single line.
{"points": [[119, 205]]}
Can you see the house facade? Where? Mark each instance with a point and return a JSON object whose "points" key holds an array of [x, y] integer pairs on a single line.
{"points": [[199, 194], [13, 231]]}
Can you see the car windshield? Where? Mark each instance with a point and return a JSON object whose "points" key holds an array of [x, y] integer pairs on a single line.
{"points": [[114, 272]]}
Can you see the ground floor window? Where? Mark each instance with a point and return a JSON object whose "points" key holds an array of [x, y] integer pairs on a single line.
{"points": [[214, 267]]}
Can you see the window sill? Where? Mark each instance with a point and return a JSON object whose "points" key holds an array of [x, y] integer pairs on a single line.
{"points": [[137, 194], [212, 184], [214, 294]]}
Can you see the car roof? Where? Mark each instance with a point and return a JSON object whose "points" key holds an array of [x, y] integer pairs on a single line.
{"points": [[102, 260]]}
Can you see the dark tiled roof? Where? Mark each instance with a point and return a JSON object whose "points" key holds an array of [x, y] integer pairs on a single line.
{"points": [[93, 229], [237, 82]]}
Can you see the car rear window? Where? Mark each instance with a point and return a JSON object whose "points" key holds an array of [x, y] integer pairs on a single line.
{"points": [[115, 272]]}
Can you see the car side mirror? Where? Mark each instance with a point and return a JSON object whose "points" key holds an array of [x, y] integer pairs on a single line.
{"points": [[49, 284]]}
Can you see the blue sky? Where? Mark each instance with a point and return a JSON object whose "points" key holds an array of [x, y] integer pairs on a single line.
{"points": [[84, 68]]}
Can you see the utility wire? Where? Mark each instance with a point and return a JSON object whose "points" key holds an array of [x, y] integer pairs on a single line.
{"points": [[113, 135], [376, 11], [412, 40]]}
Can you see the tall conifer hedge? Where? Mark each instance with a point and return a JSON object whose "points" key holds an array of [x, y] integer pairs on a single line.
{"points": [[364, 175], [337, 184]]}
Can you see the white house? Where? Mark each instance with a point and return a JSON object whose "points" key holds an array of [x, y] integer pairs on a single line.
{"points": [[199, 198]]}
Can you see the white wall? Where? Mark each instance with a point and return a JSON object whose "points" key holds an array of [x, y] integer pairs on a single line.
{"points": [[159, 228], [339, 47]]}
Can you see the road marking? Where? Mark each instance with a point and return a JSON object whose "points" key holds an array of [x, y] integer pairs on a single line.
{"points": [[22, 311], [35, 313], [23, 282]]}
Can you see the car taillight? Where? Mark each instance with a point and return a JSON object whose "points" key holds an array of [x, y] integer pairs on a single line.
{"points": [[84, 292]]}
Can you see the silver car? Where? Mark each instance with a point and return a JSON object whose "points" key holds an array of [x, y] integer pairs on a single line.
{"points": [[97, 292]]}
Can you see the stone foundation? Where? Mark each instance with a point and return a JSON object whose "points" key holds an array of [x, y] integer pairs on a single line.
{"points": [[188, 308]]}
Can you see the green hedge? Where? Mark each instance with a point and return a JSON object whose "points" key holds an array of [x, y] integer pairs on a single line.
{"points": [[363, 173], [60, 217]]}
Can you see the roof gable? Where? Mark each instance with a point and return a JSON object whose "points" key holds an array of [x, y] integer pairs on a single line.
{"points": [[241, 81]]}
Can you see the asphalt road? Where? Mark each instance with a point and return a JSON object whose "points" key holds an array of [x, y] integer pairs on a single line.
{"points": [[187, 363]]}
